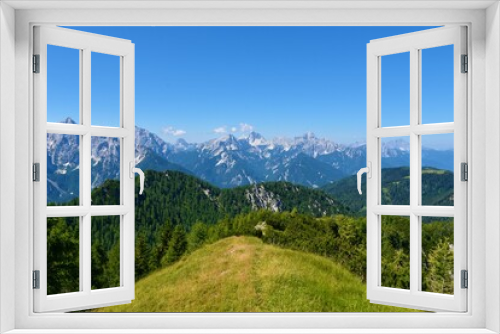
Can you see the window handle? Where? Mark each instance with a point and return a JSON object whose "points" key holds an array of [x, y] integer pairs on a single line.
{"points": [[368, 171], [139, 171]]}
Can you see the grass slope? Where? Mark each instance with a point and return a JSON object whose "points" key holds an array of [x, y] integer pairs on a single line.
{"points": [[242, 274]]}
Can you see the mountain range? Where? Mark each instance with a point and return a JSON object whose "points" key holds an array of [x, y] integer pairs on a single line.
{"points": [[226, 161]]}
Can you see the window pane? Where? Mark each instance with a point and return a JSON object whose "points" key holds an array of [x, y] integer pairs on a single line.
{"points": [[105, 90], [105, 252], [63, 85], [395, 251], [437, 84], [395, 90], [395, 171], [437, 170], [437, 255], [105, 171], [63, 169], [63, 255]]}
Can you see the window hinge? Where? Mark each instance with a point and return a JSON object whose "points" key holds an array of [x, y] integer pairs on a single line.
{"points": [[36, 279], [465, 279], [465, 64], [36, 172], [464, 169], [36, 63]]}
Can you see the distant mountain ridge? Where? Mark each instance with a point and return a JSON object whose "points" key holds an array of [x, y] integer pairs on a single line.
{"points": [[226, 161]]}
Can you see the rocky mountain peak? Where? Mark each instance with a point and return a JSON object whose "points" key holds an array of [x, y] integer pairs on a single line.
{"points": [[256, 139], [68, 120]]}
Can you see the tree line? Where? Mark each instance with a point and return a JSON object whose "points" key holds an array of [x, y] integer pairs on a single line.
{"points": [[339, 237]]}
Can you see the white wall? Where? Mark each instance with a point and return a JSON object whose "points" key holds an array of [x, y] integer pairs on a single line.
{"points": [[7, 161], [492, 165]]}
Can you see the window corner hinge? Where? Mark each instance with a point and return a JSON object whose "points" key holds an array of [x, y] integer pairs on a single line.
{"points": [[465, 279], [464, 170], [465, 64], [36, 279], [36, 172], [36, 63]]}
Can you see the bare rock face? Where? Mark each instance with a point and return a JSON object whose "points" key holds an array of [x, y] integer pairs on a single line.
{"points": [[260, 198]]}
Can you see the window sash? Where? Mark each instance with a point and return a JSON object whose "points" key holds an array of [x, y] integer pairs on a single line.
{"points": [[86, 43], [413, 43]]}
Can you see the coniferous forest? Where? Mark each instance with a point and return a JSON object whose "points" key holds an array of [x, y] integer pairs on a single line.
{"points": [[179, 214]]}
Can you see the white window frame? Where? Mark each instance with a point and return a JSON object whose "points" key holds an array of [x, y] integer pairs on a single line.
{"points": [[483, 101]]}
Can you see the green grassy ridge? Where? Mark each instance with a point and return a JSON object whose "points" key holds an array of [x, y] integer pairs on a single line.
{"points": [[242, 274]]}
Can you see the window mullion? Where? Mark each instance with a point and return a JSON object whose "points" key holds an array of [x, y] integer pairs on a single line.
{"points": [[81, 236], [414, 170], [86, 165], [87, 254], [86, 152], [127, 236]]}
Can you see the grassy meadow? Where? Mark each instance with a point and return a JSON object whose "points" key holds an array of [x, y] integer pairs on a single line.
{"points": [[243, 274]]}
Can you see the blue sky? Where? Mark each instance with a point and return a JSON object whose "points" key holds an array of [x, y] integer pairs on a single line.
{"points": [[199, 82]]}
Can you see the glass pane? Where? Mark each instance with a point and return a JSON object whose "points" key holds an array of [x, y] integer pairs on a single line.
{"points": [[437, 169], [105, 90], [105, 252], [105, 171], [395, 90], [63, 255], [395, 232], [437, 84], [437, 255], [63, 169], [395, 171], [63, 85]]}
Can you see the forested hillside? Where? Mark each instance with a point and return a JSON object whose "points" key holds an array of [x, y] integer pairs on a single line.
{"points": [[182, 199], [437, 189]]}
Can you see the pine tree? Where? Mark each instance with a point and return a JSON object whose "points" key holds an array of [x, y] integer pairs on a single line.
{"points": [[176, 247], [158, 251], [142, 256], [112, 270], [440, 271], [197, 237], [62, 255], [99, 259]]}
